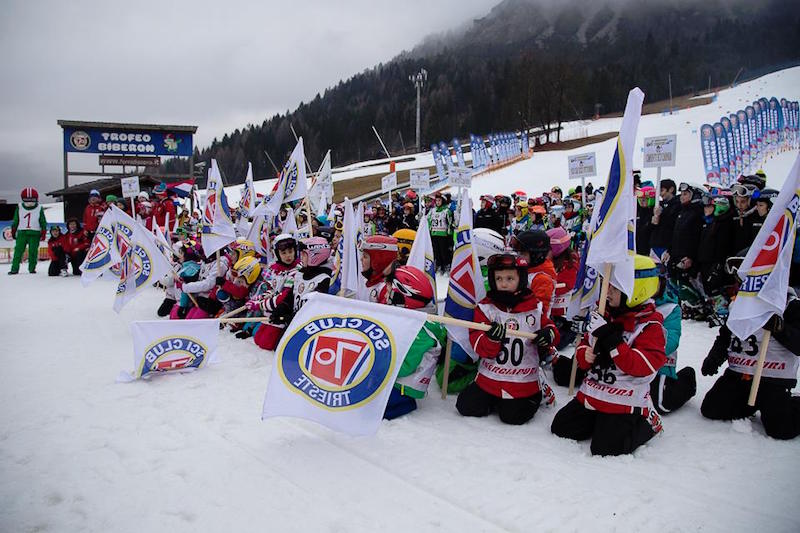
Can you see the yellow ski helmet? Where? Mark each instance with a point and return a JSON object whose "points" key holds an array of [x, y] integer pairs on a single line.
{"points": [[645, 281], [405, 239], [244, 248], [249, 268]]}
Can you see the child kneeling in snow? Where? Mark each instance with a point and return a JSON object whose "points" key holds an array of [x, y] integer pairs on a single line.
{"points": [[266, 335], [727, 399], [613, 405], [509, 379], [314, 275], [409, 287]]}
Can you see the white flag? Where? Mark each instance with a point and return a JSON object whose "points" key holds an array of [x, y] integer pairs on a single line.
{"points": [[248, 201], [259, 236], [290, 224], [465, 288], [613, 235], [350, 260], [162, 346], [218, 230], [765, 269], [103, 251], [322, 189], [421, 255], [141, 266], [338, 361], [294, 175]]}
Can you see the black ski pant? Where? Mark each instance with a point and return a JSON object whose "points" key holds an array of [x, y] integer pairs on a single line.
{"points": [[474, 401], [76, 260], [562, 367], [442, 251], [669, 394], [611, 434], [780, 411], [57, 264]]}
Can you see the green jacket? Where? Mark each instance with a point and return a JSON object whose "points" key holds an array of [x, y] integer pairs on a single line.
{"points": [[440, 221], [420, 361]]}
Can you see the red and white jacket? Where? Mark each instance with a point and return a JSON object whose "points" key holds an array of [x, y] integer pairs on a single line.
{"points": [[542, 281], [510, 369], [565, 283], [625, 386]]}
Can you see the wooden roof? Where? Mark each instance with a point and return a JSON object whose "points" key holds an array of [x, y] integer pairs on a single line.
{"points": [[124, 126]]}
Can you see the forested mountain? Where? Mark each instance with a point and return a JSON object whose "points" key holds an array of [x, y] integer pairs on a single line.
{"points": [[527, 63]]}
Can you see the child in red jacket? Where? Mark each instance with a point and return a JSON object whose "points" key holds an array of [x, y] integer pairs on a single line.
{"points": [[76, 243], [55, 250], [621, 353], [534, 246], [509, 380]]}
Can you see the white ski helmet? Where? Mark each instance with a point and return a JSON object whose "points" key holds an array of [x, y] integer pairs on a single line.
{"points": [[487, 242]]}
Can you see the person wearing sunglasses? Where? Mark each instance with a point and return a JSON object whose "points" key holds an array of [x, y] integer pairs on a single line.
{"points": [[509, 380]]}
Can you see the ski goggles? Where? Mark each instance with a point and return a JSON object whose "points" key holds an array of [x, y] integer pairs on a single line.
{"points": [[739, 189], [707, 199], [500, 261], [683, 187], [286, 245]]}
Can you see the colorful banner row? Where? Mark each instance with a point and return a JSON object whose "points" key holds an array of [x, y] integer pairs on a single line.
{"points": [[738, 144]]}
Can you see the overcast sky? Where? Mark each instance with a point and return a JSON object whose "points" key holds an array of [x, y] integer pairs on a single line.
{"points": [[217, 65]]}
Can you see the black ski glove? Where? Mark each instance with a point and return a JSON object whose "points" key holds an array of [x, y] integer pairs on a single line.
{"points": [[775, 324], [545, 337], [608, 336], [711, 365], [496, 331]]}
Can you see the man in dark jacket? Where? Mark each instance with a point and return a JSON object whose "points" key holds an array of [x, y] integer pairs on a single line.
{"points": [[664, 216], [488, 216], [743, 218], [684, 243], [716, 242]]}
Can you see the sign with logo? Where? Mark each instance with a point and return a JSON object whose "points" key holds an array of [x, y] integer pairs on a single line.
{"points": [[130, 186], [582, 166], [129, 161], [389, 182], [660, 151], [338, 368], [461, 177], [127, 142], [420, 179]]}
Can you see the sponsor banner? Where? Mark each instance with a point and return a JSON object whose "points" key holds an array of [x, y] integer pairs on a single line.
{"points": [[708, 145], [722, 151], [111, 141]]}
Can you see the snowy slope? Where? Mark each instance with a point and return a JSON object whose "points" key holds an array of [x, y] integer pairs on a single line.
{"points": [[79, 452]]}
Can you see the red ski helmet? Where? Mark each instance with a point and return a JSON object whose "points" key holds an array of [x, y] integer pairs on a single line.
{"points": [[29, 194], [409, 288]]}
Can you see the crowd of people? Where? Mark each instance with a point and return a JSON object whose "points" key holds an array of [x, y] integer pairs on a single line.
{"points": [[689, 238]]}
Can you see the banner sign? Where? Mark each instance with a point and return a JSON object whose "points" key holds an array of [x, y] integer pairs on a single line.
{"points": [[459, 153], [130, 186], [127, 142], [129, 161], [420, 179], [389, 182], [582, 166], [461, 178], [660, 151]]}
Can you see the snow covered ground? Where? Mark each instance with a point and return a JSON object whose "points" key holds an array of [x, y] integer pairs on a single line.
{"points": [[79, 452]]}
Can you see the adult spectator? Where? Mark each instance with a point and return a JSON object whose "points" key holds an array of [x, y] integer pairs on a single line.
{"points": [[76, 244], [93, 213], [163, 206], [684, 244], [487, 216], [663, 220], [743, 234]]}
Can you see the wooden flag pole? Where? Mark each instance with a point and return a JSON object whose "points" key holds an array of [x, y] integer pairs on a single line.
{"points": [[601, 308], [446, 375], [762, 355], [234, 312]]}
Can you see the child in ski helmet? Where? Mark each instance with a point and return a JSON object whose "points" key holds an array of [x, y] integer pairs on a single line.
{"points": [[534, 247], [509, 380], [378, 260], [620, 353], [727, 399], [411, 288]]}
